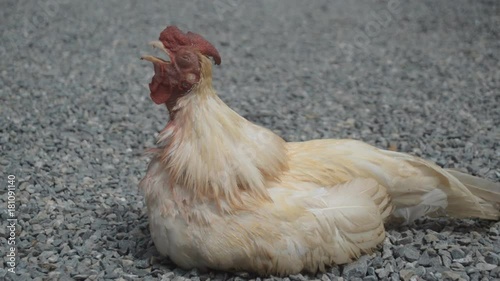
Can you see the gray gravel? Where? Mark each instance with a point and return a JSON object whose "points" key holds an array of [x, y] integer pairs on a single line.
{"points": [[419, 76]]}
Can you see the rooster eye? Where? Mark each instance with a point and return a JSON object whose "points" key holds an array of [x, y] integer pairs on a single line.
{"points": [[185, 85], [184, 61]]}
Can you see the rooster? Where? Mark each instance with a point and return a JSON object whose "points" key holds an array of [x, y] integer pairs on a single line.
{"points": [[223, 193]]}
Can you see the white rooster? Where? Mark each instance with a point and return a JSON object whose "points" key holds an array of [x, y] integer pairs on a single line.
{"points": [[226, 194]]}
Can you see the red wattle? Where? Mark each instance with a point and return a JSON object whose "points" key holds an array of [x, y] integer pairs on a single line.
{"points": [[159, 93]]}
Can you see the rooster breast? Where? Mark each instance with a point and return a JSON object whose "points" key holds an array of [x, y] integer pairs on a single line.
{"points": [[305, 227]]}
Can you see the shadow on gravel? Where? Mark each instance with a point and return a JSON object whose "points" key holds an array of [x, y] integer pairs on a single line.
{"points": [[463, 226]]}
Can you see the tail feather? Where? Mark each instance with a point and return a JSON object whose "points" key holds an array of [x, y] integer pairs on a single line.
{"points": [[431, 202], [461, 195], [484, 189]]}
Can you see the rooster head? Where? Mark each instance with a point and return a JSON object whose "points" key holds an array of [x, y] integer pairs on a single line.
{"points": [[176, 77]]}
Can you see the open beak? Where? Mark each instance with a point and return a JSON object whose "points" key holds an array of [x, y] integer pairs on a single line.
{"points": [[153, 59]]}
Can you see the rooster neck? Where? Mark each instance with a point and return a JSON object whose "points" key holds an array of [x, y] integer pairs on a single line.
{"points": [[215, 154]]}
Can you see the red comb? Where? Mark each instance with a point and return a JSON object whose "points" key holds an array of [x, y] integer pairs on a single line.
{"points": [[173, 39]]}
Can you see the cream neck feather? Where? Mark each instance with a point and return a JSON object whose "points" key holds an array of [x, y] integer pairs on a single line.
{"points": [[215, 154]]}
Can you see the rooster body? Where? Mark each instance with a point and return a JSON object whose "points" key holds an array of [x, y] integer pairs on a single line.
{"points": [[226, 194]]}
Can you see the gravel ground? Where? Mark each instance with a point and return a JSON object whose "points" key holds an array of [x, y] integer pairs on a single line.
{"points": [[419, 76]]}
